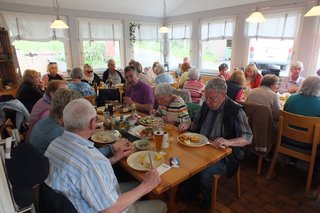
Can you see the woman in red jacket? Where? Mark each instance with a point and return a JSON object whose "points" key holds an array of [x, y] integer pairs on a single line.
{"points": [[253, 77]]}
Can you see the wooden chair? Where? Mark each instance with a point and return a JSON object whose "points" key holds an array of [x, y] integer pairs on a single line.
{"points": [[216, 179], [263, 128], [302, 130], [91, 99]]}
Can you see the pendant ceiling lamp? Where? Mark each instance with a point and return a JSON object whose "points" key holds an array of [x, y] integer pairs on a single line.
{"points": [[164, 28], [314, 11], [256, 17], [58, 23]]}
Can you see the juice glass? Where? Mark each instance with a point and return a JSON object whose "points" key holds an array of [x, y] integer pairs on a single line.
{"points": [[158, 138]]}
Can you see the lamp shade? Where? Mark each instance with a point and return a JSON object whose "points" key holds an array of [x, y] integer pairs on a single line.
{"points": [[59, 24], [164, 29], [314, 11], [256, 17]]}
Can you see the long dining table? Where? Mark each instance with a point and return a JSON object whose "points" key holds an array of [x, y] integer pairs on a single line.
{"points": [[192, 161]]}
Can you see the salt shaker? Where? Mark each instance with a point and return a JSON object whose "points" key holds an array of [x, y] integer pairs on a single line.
{"points": [[165, 140]]}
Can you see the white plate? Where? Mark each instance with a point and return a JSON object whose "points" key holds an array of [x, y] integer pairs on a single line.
{"points": [[203, 140], [108, 136], [140, 160], [142, 144], [138, 133], [151, 121]]}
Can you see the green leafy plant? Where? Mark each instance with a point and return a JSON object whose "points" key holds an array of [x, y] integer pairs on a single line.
{"points": [[133, 27]]}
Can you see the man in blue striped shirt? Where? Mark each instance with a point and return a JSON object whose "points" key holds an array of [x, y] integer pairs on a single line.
{"points": [[80, 172]]}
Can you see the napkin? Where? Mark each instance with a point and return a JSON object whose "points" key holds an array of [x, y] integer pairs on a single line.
{"points": [[135, 129], [163, 168]]}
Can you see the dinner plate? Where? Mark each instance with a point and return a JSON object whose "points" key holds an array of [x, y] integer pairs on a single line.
{"points": [[108, 136], [203, 140], [140, 133], [151, 121], [140, 160]]}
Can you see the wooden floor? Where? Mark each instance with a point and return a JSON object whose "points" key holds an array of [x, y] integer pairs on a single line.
{"points": [[283, 193]]}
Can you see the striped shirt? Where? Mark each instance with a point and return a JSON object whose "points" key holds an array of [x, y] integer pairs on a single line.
{"points": [[195, 88], [177, 108], [81, 173]]}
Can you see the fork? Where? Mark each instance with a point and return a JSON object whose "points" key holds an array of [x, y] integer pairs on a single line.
{"points": [[150, 160]]}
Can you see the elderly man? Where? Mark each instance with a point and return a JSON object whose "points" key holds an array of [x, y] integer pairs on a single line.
{"points": [[138, 92], [80, 172], [225, 123], [292, 83], [112, 73]]}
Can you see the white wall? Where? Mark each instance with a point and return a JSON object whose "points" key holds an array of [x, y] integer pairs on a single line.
{"points": [[305, 49]]}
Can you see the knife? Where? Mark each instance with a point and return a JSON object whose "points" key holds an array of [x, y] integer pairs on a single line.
{"points": [[150, 160]]}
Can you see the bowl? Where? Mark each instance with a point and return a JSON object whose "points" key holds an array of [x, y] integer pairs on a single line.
{"points": [[141, 144]]}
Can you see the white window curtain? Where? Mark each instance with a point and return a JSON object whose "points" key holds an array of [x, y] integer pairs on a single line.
{"points": [[180, 31], [282, 26], [217, 29], [33, 27], [100, 30], [148, 32]]}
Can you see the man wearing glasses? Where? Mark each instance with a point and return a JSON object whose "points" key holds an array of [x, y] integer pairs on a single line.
{"points": [[224, 122], [112, 73]]}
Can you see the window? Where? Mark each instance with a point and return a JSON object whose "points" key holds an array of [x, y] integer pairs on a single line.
{"points": [[100, 41], [148, 45], [36, 47], [216, 43], [179, 44], [271, 42]]}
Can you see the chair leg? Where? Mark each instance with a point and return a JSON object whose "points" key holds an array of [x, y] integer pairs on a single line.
{"points": [[214, 192], [238, 183], [309, 179], [273, 163], [259, 166]]}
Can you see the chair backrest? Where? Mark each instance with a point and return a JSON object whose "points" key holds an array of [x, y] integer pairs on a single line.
{"points": [[184, 94], [300, 128], [262, 125], [91, 99]]}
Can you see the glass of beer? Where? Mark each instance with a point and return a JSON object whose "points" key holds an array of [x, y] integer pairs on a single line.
{"points": [[158, 138]]}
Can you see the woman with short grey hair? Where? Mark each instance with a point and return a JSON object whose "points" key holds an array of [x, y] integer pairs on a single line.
{"points": [[194, 86], [172, 108], [266, 94], [307, 101], [162, 77], [76, 84]]}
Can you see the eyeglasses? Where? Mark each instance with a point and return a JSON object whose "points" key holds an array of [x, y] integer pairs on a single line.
{"points": [[212, 99], [90, 71]]}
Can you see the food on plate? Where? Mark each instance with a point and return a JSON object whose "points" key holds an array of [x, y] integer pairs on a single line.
{"points": [[194, 138], [103, 137], [147, 132], [143, 162], [187, 139], [150, 120], [100, 110], [158, 156]]}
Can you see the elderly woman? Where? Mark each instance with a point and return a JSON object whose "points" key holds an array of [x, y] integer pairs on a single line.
{"points": [[52, 70], [89, 76], [42, 107], [76, 84], [150, 72], [223, 71], [171, 107], [162, 77], [292, 83], [307, 101], [266, 94], [194, 86], [31, 89], [235, 85], [253, 77], [184, 77]]}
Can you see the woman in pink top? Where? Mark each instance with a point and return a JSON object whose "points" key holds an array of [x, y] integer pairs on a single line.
{"points": [[253, 77], [194, 86]]}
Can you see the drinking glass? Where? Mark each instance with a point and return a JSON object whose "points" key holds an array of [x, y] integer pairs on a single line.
{"points": [[158, 138]]}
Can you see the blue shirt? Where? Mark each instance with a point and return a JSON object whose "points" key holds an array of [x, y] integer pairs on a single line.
{"points": [[164, 78], [84, 88], [81, 173], [303, 105]]}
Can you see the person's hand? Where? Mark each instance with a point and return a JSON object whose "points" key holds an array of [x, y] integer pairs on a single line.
{"points": [[168, 119], [221, 143], [118, 155], [127, 101], [293, 90], [151, 179], [183, 126], [153, 112], [123, 144]]}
